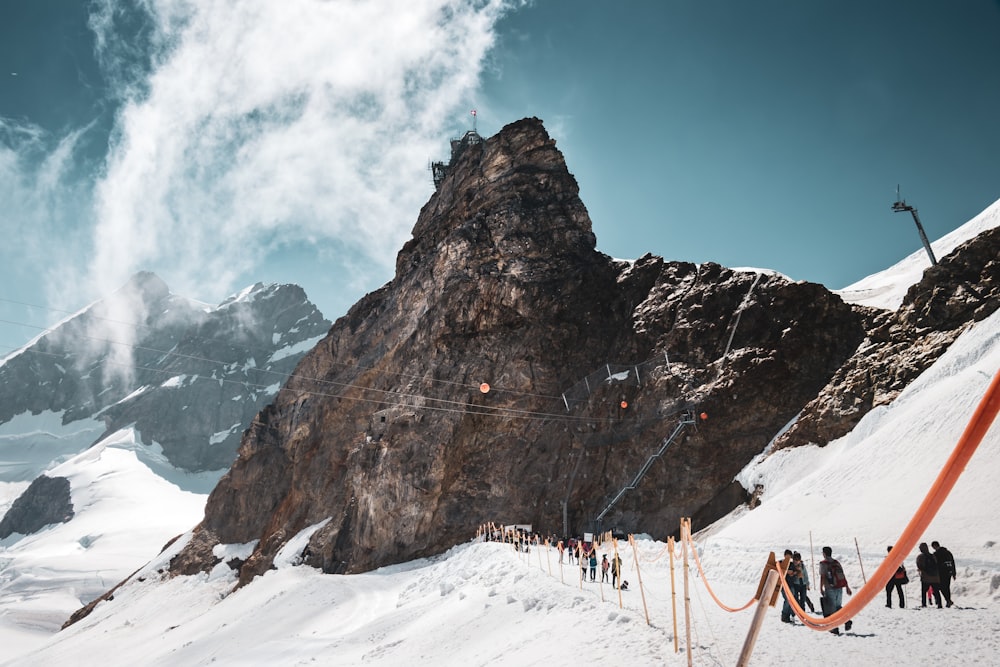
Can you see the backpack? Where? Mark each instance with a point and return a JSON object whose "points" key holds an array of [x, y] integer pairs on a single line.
{"points": [[834, 574], [930, 564], [945, 561]]}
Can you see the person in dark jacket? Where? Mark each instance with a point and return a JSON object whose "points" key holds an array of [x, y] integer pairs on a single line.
{"points": [[946, 570], [786, 608], [929, 579], [801, 581], [898, 579]]}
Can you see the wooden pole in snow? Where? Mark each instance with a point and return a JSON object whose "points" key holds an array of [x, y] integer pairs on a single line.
{"points": [[812, 557], [864, 579], [685, 540], [673, 593], [770, 584], [638, 576]]}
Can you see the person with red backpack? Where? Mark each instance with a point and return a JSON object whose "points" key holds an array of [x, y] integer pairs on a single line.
{"points": [[832, 584], [898, 579]]}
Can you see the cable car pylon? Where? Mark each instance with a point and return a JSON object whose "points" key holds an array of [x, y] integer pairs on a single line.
{"points": [[899, 206]]}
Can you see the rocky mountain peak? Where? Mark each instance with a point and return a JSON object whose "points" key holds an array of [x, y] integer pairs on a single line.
{"points": [[506, 204], [145, 283], [511, 373], [383, 447]]}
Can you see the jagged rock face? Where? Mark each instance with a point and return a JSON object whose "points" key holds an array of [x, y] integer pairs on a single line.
{"points": [[64, 370], [962, 288], [384, 433], [45, 501], [223, 368], [191, 379]]}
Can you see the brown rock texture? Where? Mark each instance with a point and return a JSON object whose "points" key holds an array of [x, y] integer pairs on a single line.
{"points": [[963, 288], [384, 439]]}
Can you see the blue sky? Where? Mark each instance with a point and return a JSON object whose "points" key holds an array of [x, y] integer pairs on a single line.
{"points": [[221, 143]]}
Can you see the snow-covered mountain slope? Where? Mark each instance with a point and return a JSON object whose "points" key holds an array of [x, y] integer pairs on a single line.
{"points": [[487, 604], [484, 603], [887, 288], [141, 437], [125, 513]]}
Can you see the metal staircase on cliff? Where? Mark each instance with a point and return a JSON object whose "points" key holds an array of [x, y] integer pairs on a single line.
{"points": [[687, 419]]}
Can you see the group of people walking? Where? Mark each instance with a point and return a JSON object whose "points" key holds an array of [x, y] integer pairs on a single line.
{"points": [[832, 584], [936, 570], [585, 553], [797, 577]]}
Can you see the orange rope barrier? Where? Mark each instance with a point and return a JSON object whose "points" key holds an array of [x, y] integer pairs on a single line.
{"points": [[657, 557], [709, 588], [973, 435]]}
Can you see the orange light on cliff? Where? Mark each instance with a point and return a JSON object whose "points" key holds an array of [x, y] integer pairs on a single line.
{"points": [[704, 416], [485, 388], [624, 405]]}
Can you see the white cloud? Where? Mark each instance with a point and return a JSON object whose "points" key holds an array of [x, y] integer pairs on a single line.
{"points": [[42, 201], [263, 123]]}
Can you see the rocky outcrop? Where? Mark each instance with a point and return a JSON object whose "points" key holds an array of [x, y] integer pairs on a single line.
{"points": [[222, 369], [385, 434], [964, 287], [45, 501]]}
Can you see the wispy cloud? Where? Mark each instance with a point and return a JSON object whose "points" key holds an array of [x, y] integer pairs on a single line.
{"points": [[243, 127], [45, 209], [253, 124]]}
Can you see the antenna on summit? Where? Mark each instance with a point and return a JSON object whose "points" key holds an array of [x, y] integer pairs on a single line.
{"points": [[439, 169], [899, 206]]}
